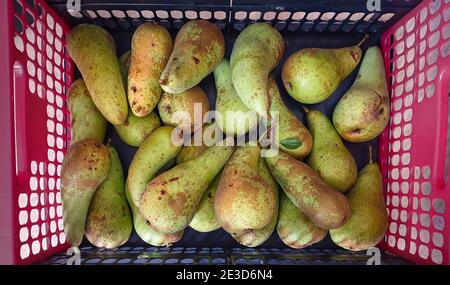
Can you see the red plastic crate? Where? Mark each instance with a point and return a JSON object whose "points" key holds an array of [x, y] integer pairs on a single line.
{"points": [[35, 74], [413, 150], [34, 124]]}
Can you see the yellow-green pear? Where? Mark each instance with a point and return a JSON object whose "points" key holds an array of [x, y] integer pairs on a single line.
{"points": [[363, 112], [244, 200], [294, 138], [199, 47], [369, 220], [256, 52], [324, 206], [311, 75], [329, 156], [253, 238], [108, 222], [86, 120], [93, 50], [294, 228], [232, 116], [145, 231], [171, 199], [136, 129], [85, 166]]}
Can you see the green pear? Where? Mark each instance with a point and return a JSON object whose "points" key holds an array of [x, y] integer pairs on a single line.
{"points": [[256, 237], [124, 64], [85, 166], [199, 47], [154, 152], [171, 199], [151, 46], [311, 75], [145, 231], [205, 219], [329, 156], [86, 120], [93, 50], [244, 200], [256, 52], [136, 129], [294, 228], [294, 138], [323, 205], [232, 116], [108, 222], [369, 220], [363, 112]]}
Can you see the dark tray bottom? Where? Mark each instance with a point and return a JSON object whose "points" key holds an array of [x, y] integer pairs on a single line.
{"points": [[220, 238]]}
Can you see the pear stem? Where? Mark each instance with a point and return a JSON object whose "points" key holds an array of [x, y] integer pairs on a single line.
{"points": [[366, 37], [370, 154], [306, 109]]}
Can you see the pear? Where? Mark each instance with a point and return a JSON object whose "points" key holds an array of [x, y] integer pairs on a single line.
{"points": [[294, 138], [145, 231], [205, 219], [86, 120], [363, 112], [171, 199], [329, 156], [136, 129], [232, 116], [108, 222], [256, 52], [311, 75], [294, 228], [369, 220], [93, 50], [85, 166], [154, 153], [253, 238], [244, 200], [323, 205], [151, 46], [186, 109], [199, 47], [124, 65]]}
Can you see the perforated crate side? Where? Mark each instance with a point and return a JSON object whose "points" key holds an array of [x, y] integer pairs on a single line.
{"points": [[413, 153], [35, 75]]}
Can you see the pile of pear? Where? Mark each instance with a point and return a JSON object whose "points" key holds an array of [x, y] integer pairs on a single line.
{"points": [[147, 93]]}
